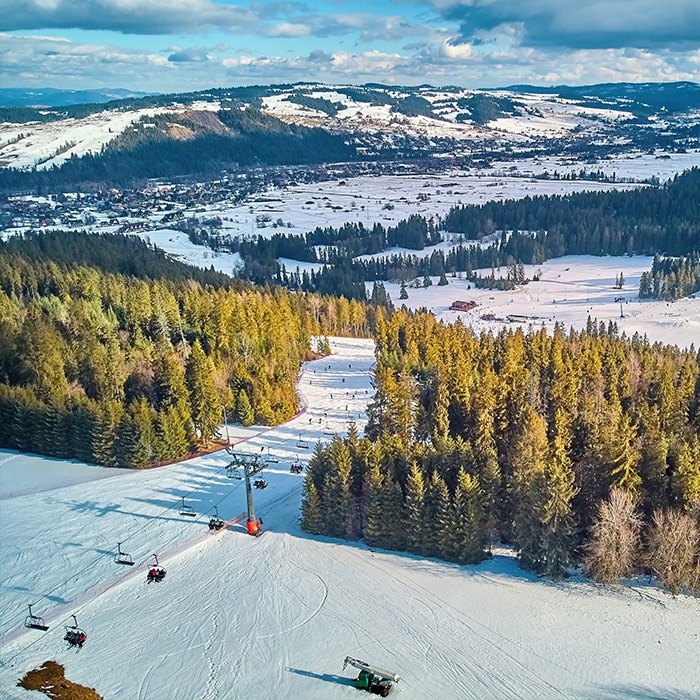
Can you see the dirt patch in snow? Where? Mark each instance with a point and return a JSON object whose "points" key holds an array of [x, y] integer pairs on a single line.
{"points": [[50, 679]]}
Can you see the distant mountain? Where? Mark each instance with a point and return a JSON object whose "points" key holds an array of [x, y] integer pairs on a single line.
{"points": [[210, 130], [54, 97], [639, 98]]}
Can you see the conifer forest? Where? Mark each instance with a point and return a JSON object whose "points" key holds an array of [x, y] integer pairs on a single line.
{"points": [[111, 353], [574, 447]]}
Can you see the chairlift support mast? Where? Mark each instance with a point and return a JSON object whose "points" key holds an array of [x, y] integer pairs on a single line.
{"points": [[251, 464]]}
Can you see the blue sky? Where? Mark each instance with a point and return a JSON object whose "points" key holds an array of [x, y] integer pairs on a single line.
{"points": [[177, 45]]}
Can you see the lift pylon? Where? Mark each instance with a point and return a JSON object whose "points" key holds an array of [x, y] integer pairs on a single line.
{"points": [[250, 464]]}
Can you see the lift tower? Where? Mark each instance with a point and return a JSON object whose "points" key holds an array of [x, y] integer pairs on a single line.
{"points": [[245, 465]]}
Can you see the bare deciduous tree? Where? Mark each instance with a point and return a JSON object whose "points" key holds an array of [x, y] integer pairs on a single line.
{"points": [[613, 551], [674, 550]]}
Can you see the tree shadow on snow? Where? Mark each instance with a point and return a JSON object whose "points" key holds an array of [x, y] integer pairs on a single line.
{"points": [[639, 692], [328, 677]]}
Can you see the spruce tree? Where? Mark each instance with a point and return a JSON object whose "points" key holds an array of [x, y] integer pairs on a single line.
{"points": [[415, 520], [529, 489], [436, 510], [244, 410], [374, 521], [465, 543], [206, 410], [558, 519], [311, 520]]}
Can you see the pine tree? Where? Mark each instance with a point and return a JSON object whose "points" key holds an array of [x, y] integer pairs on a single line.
{"points": [[403, 293], [443, 280]]}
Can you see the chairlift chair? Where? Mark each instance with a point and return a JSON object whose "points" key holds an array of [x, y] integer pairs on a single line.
{"points": [[271, 458], [122, 557], [233, 473], [35, 622], [74, 635], [215, 523], [260, 484], [156, 573], [302, 444], [327, 430], [187, 510]]}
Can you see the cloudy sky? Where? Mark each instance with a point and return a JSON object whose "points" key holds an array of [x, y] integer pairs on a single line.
{"points": [[178, 45]]}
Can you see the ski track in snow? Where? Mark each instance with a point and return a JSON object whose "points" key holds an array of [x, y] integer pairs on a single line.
{"points": [[274, 616]]}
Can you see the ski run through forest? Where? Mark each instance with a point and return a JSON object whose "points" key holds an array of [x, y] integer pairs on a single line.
{"points": [[274, 616]]}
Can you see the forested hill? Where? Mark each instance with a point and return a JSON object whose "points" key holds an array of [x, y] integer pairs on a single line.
{"points": [[562, 445], [130, 370], [112, 253], [192, 142], [644, 221]]}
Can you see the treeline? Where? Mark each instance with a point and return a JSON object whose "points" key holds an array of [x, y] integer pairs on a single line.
{"points": [[120, 370], [671, 278], [177, 145], [529, 438], [643, 221]]}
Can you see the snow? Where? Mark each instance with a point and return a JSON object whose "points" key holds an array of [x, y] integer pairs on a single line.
{"points": [[42, 139], [178, 245], [633, 166], [384, 199], [273, 617], [570, 289], [21, 474]]}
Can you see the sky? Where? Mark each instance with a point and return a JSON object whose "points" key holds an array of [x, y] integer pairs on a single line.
{"points": [[181, 45]]}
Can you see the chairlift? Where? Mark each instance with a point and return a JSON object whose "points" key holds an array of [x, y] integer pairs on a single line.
{"points": [[35, 622], [187, 510], [233, 473], [327, 430], [271, 458], [302, 444], [296, 467], [156, 573], [74, 635], [260, 484], [215, 523], [122, 557]]}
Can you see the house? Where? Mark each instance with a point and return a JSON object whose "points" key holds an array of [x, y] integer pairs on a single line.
{"points": [[463, 305]]}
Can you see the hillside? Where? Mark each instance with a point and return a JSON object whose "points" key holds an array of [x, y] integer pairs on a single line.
{"points": [[275, 616], [201, 131]]}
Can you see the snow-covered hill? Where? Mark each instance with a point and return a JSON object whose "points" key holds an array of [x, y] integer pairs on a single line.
{"points": [[434, 120], [242, 618]]}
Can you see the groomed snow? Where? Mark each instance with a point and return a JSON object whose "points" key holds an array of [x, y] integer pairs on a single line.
{"points": [[273, 617], [570, 289]]}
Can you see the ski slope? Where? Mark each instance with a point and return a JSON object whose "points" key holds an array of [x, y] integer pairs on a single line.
{"points": [[274, 617]]}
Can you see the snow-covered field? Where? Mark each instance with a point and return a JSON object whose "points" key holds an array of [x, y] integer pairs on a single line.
{"points": [[177, 244], [384, 199], [570, 289], [633, 166], [273, 617]]}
